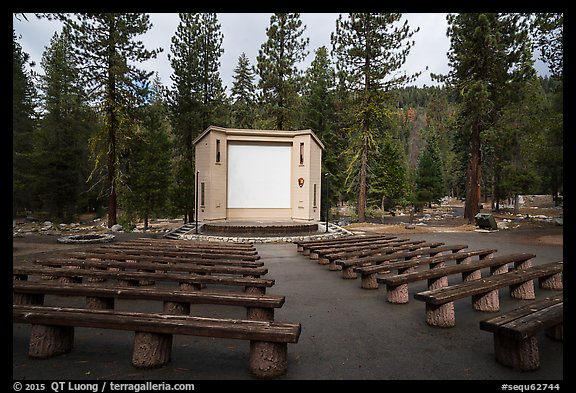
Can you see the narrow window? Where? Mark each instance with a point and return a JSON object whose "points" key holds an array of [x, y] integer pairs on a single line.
{"points": [[202, 194], [301, 153], [314, 194], [217, 150]]}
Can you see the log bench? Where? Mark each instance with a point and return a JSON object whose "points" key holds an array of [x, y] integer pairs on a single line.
{"points": [[515, 342], [154, 266], [189, 244], [317, 252], [428, 248], [200, 254], [360, 250], [102, 297], [163, 259], [304, 246], [351, 259], [437, 277], [133, 278], [369, 274], [52, 334], [485, 291]]}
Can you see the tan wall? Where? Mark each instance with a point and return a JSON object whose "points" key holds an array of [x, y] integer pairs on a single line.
{"points": [[315, 178], [214, 175], [246, 214]]}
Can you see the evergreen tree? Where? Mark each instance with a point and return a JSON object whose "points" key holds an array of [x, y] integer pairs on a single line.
{"points": [[490, 57], [61, 141], [107, 48], [370, 49], [548, 30], [243, 94], [319, 107], [197, 99], [277, 60], [148, 174], [23, 123], [388, 175], [429, 181]]}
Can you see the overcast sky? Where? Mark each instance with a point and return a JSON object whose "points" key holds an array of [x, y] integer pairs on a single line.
{"points": [[246, 32]]}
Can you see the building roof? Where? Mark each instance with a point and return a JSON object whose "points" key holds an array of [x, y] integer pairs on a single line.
{"points": [[252, 132]]}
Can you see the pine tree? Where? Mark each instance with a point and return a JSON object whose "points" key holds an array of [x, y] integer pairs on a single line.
{"points": [[429, 180], [107, 48], [243, 94], [370, 49], [490, 57], [148, 174], [61, 141], [197, 99], [277, 64], [23, 123]]}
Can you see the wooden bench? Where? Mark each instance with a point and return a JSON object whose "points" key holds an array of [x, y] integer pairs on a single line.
{"points": [[317, 251], [304, 246], [369, 274], [164, 259], [360, 250], [200, 253], [52, 334], [189, 244], [133, 278], [100, 297], [397, 285], [515, 344], [427, 248], [485, 291]]}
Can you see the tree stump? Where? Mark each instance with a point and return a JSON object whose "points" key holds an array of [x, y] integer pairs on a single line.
{"points": [[397, 294], [369, 281], [268, 359], [554, 282], [47, 341], [440, 316], [518, 354], [100, 303], [151, 350]]}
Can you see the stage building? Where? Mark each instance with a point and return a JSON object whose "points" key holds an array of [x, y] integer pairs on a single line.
{"points": [[246, 174]]}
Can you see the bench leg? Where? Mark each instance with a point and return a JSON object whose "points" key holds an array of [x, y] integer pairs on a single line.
{"points": [[151, 350], [518, 354], [488, 302], [553, 282], [333, 267], [323, 261], [440, 315], [268, 359], [556, 332], [176, 308], [348, 272], [28, 298], [369, 281], [313, 255], [48, 341], [100, 303], [260, 314], [397, 294], [523, 291]]}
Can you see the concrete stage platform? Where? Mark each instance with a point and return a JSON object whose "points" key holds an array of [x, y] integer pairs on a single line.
{"points": [[260, 228]]}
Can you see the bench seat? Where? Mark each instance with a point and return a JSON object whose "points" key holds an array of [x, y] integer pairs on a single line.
{"points": [[515, 344], [484, 291], [397, 285], [258, 307], [133, 278], [369, 274], [52, 334], [428, 248]]}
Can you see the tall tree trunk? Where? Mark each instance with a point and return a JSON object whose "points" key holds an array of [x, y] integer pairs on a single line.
{"points": [[362, 192], [112, 200], [472, 206]]}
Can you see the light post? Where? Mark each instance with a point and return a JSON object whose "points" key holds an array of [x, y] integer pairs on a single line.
{"points": [[196, 207], [326, 200]]}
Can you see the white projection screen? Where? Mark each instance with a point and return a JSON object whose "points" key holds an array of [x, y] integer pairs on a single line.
{"points": [[258, 175]]}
